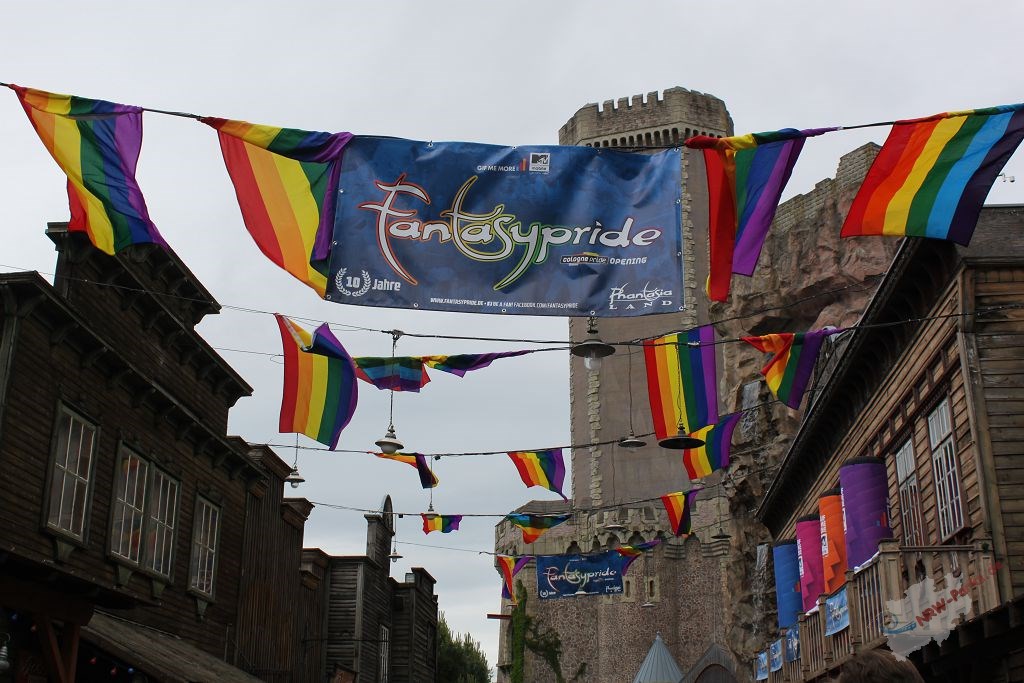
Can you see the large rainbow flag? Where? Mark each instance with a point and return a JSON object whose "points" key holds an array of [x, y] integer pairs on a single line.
{"points": [[714, 454], [443, 523], [535, 525], [509, 566], [682, 380], [679, 506], [789, 370], [746, 176], [401, 373], [933, 174], [428, 479], [96, 144], [320, 393], [544, 468], [286, 181]]}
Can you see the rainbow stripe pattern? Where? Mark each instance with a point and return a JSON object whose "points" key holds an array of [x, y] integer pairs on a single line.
{"points": [[320, 395], [746, 177], [286, 181], [631, 552], [714, 454], [794, 354], [682, 380], [97, 144], [533, 526], [462, 363], [402, 373], [933, 174], [428, 479], [509, 566], [544, 468], [443, 523], [679, 506]]}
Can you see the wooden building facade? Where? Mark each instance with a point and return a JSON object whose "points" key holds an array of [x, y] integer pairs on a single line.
{"points": [[931, 383], [140, 542]]}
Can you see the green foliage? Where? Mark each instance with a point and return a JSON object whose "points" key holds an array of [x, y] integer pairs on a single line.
{"points": [[459, 658]]}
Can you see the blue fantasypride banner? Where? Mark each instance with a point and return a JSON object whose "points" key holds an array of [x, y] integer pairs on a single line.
{"points": [[561, 576], [457, 226], [837, 612]]}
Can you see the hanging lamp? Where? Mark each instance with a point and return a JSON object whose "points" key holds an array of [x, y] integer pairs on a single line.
{"points": [[592, 349], [389, 443], [294, 478], [680, 440]]}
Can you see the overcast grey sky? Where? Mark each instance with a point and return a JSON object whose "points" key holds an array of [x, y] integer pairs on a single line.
{"points": [[507, 73]]}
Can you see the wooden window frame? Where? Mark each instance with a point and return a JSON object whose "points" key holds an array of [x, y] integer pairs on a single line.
{"points": [[384, 654], [155, 525], [126, 545], [80, 539], [196, 548], [950, 477], [908, 493]]}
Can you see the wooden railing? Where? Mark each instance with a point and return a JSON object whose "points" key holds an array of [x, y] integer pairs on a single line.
{"points": [[886, 577]]}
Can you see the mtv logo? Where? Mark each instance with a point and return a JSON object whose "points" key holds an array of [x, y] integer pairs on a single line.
{"points": [[540, 162]]}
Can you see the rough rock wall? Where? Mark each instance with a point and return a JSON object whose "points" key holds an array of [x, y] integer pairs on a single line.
{"points": [[812, 278]]}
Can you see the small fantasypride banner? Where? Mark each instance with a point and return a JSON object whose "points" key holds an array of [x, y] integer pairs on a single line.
{"points": [[458, 226]]}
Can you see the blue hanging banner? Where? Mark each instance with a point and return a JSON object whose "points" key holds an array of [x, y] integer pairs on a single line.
{"points": [[761, 666], [792, 643], [837, 612], [775, 655], [458, 226], [561, 576]]}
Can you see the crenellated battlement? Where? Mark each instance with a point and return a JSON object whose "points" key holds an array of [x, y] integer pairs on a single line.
{"points": [[647, 120]]}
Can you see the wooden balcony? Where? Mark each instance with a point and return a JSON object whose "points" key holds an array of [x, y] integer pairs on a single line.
{"points": [[886, 577]]}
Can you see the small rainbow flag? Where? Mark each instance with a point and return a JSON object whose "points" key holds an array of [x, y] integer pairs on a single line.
{"points": [[509, 566], [679, 506], [96, 144], [541, 468], [402, 373], [714, 454], [746, 177], [427, 478], [462, 363], [320, 394], [682, 380], [286, 181], [535, 525], [789, 369], [933, 174], [631, 552], [443, 523]]}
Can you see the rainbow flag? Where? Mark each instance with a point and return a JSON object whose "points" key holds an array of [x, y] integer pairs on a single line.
{"points": [[714, 454], [443, 523], [462, 363], [679, 506], [96, 144], [789, 369], [319, 383], [427, 478], [541, 468], [509, 566], [682, 380], [746, 177], [286, 181], [535, 525], [933, 174], [631, 552], [404, 373]]}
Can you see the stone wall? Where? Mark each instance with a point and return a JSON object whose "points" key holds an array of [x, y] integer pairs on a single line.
{"points": [[820, 280]]}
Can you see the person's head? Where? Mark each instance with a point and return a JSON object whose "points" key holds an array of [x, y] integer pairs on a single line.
{"points": [[878, 665]]}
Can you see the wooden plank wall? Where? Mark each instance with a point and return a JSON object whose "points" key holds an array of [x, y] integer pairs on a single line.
{"points": [[342, 604], [1000, 344], [45, 374]]}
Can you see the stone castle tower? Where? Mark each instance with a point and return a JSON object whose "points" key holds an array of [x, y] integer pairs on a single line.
{"points": [[706, 596], [676, 589]]}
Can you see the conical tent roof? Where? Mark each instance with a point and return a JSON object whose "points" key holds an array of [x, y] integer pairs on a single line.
{"points": [[658, 666]]}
